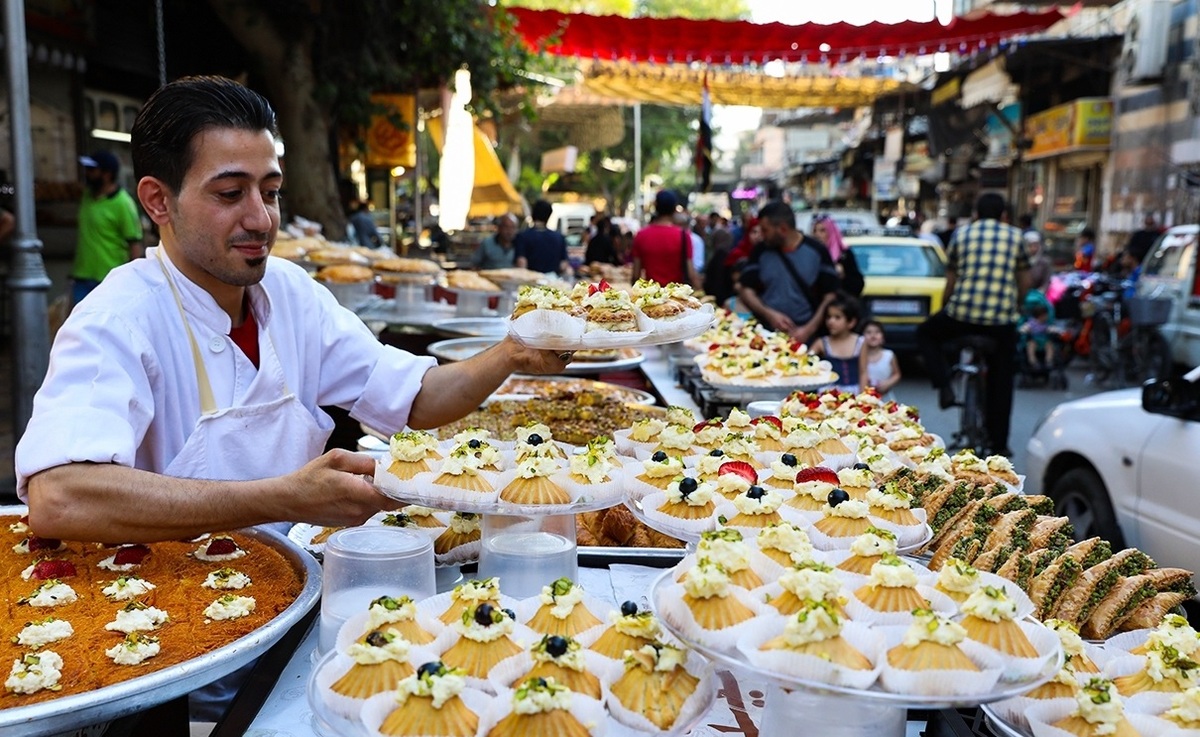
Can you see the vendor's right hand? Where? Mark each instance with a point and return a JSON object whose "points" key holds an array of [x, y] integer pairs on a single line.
{"points": [[331, 490], [780, 321]]}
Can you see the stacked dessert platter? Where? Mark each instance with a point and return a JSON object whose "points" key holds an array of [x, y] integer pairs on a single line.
{"points": [[475, 661]]}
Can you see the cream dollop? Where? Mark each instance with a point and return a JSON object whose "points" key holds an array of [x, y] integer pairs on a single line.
{"points": [[472, 630], [591, 465], [814, 583], [700, 496], [729, 484], [858, 478], [561, 596], [893, 573], [411, 446], [394, 647], [389, 610], [44, 632], [707, 580], [644, 431], [851, 509], [230, 607], [477, 590], [818, 490], [676, 437], [767, 503], [927, 626], [1068, 635], [815, 622], [461, 525], [126, 588], [1098, 703], [1175, 631], [958, 576], [991, 604], [1165, 663], [731, 555], [572, 659], [134, 649], [672, 467], [35, 671], [443, 687], [873, 543], [738, 444], [738, 419], [643, 624], [1185, 707], [889, 498], [786, 537], [536, 696], [535, 467]]}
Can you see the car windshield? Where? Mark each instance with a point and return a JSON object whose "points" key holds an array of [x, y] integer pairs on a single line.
{"points": [[888, 259], [1171, 256]]}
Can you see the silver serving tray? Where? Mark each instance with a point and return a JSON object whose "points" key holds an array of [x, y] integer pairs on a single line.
{"points": [[108, 703]]}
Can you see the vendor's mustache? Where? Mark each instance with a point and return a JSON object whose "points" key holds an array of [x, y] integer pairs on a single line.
{"points": [[250, 238]]}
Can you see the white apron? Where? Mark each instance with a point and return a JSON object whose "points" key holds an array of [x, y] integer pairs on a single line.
{"points": [[270, 434]]}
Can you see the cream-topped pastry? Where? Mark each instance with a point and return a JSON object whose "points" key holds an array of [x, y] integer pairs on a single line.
{"points": [[1077, 659], [783, 471], [226, 578], [785, 543], [849, 509], [487, 454], [757, 501], [470, 626], [738, 420], [230, 606], [708, 465], [710, 433], [1099, 705], [739, 445], [571, 658], [958, 579], [990, 603], [379, 646], [727, 548], [928, 626], [892, 572], [137, 617], [693, 494], [730, 485], [1185, 709], [561, 597], [662, 466], [813, 581], [476, 591], [856, 478], [536, 466], [1165, 663], [803, 436], [646, 430], [1174, 631], [390, 610], [603, 446], [677, 415], [525, 433], [815, 622], [967, 461], [472, 433], [435, 681], [412, 446], [592, 466], [532, 297], [874, 543], [706, 580], [676, 438]]}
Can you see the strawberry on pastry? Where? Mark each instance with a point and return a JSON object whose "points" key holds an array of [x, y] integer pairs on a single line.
{"points": [[130, 555], [44, 570], [741, 468], [817, 473]]}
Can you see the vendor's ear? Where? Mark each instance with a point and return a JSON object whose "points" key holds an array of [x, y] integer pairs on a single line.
{"points": [[155, 197]]}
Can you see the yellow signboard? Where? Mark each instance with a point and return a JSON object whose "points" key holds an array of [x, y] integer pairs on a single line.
{"points": [[1085, 123], [390, 145]]}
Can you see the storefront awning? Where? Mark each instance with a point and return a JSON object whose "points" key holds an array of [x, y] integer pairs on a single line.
{"points": [[679, 84], [989, 83], [670, 40]]}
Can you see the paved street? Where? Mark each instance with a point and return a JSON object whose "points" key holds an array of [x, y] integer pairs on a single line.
{"points": [[1029, 406]]}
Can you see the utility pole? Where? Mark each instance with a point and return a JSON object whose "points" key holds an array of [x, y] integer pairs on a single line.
{"points": [[27, 280]]}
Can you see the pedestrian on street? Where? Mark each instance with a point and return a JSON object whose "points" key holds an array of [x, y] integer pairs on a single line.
{"points": [[663, 251], [497, 250], [1141, 241], [987, 275], [110, 230], [539, 248]]}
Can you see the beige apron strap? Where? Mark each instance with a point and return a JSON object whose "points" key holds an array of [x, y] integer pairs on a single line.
{"points": [[208, 404]]}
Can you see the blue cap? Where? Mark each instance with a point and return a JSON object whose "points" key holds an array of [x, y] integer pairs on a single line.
{"points": [[102, 160]]}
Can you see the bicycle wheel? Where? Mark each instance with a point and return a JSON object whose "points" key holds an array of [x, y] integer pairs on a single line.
{"points": [[971, 414], [1151, 356], [1103, 353]]}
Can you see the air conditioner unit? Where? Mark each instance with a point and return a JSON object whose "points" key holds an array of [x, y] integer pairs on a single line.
{"points": [[1144, 55]]}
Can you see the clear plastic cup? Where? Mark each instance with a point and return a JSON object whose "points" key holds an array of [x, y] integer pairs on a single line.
{"points": [[528, 553], [365, 563]]}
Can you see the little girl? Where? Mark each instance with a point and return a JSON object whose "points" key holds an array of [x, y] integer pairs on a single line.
{"points": [[878, 366], [842, 347]]}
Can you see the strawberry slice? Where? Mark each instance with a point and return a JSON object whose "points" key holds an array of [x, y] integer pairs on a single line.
{"points": [[778, 423], [714, 347], [757, 343], [816, 473], [221, 546], [741, 468], [43, 543], [796, 346], [707, 423], [44, 570], [592, 289], [130, 555], [603, 286]]}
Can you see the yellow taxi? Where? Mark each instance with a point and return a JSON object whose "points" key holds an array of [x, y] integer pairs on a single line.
{"points": [[903, 278]]}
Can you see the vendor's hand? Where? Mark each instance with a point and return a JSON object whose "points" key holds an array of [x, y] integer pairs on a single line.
{"points": [[330, 490], [780, 321], [535, 360], [801, 333]]}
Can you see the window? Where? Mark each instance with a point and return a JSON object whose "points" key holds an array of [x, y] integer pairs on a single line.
{"points": [[883, 259]]}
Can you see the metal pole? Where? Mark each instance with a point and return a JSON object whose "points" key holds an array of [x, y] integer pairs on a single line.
{"points": [[637, 161], [162, 43], [27, 280], [418, 200]]}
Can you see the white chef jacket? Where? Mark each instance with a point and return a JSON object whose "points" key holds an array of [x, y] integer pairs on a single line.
{"points": [[122, 385]]}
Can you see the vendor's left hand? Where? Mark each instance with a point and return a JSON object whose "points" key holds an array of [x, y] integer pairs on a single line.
{"points": [[535, 360]]}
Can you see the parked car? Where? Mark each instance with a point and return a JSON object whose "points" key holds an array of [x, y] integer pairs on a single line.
{"points": [[903, 283], [1169, 272], [1122, 465]]}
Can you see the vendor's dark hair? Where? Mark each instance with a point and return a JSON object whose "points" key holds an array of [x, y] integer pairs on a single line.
{"points": [[176, 113], [778, 212]]}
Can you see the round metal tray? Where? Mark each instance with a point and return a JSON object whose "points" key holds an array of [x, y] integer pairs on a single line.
{"points": [[999, 726], [436, 501], [510, 389], [80, 710], [874, 694], [460, 349]]}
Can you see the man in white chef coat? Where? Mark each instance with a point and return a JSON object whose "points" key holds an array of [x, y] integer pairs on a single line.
{"points": [[184, 395]]}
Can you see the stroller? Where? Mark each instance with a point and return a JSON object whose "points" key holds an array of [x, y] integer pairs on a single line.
{"points": [[1045, 345]]}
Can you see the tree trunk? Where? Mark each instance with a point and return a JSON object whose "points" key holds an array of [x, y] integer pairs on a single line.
{"points": [[286, 66]]}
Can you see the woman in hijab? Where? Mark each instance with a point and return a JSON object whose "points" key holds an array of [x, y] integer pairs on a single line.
{"points": [[826, 231]]}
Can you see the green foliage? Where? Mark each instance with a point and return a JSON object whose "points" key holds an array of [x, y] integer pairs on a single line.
{"points": [[591, 7]]}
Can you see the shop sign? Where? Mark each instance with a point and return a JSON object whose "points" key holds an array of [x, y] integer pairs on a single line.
{"points": [[1000, 136], [885, 179], [391, 137], [946, 93], [1083, 124]]}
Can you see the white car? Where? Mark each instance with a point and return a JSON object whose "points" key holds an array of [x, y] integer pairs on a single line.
{"points": [[1124, 465]]}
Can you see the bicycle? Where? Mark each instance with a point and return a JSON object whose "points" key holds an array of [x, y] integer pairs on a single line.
{"points": [[1145, 352], [969, 379]]}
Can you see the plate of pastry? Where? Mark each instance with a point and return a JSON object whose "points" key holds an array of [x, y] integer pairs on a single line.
{"points": [[597, 316]]}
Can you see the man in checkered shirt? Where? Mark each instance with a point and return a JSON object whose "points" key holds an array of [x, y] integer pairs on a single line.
{"points": [[987, 275]]}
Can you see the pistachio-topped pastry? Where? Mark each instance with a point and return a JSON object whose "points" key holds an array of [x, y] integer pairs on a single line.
{"points": [[629, 629], [533, 484], [429, 702], [464, 528], [758, 507], [892, 504], [562, 659], [399, 615], [469, 594], [380, 660], [656, 683], [591, 467], [868, 549], [484, 639], [708, 593], [689, 499], [815, 629], [1185, 709], [957, 579], [410, 452], [990, 620], [1098, 711], [562, 611], [807, 582], [931, 643], [785, 543], [660, 469], [1166, 669], [540, 706], [892, 587]]}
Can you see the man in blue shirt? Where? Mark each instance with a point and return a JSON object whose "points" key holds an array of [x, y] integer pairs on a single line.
{"points": [[539, 248]]}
